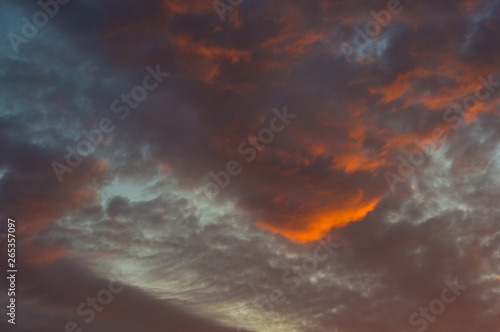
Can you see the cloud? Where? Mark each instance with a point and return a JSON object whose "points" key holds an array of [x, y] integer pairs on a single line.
{"points": [[49, 296], [131, 206]]}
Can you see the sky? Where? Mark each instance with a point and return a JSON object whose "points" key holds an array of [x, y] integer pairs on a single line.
{"points": [[251, 166]]}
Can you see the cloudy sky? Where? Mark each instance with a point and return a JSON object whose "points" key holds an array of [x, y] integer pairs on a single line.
{"points": [[246, 165]]}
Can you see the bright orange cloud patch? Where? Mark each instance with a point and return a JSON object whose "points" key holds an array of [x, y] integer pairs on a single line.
{"points": [[317, 225]]}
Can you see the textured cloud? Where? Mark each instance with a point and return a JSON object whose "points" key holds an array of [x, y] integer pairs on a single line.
{"points": [[132, 207]]}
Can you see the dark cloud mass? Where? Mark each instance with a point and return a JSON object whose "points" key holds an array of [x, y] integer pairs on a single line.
{"points": [[282, 169]]}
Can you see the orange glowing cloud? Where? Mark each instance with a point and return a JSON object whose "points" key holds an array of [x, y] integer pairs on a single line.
{"points": [[355, 162], [316, 225]]}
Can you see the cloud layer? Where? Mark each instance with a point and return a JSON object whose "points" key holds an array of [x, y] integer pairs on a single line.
{"points": [[134, 207]]}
